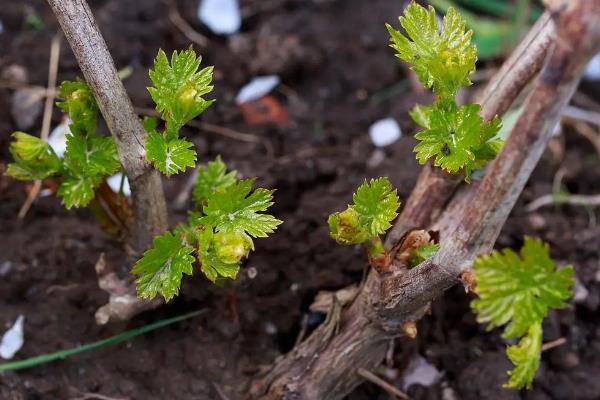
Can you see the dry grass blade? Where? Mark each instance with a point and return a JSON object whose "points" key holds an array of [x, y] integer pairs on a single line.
{"points": [[47, 118], [185, 28], [388, 387], [573, 199]]}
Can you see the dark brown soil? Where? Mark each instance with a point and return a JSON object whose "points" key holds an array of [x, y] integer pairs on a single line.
{"points": [[339, 77]]}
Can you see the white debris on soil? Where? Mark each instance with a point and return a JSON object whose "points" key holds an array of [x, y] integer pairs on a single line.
{"points": [[581, 293], [223, 17], [252, 272], [385, 132], [419, 372], [26, 107], [376, 158], [592, 71], [58, 137], [5, 268], [12, 341], [258, 87], [270, 328], [115, 184]]}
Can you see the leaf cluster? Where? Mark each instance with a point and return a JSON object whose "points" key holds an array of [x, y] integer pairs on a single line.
{"points": [[442, 58], [219, 234], [88, 158], [375, 205], [179, 87], [517, 291], [454, 137]]}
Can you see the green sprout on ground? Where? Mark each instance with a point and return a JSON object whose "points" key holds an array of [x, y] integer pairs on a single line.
{"points": [[517, 291], [453, 137], [219, 233]]}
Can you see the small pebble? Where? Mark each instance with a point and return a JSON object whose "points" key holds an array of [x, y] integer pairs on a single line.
{"points": [[570, 360], [384, 132], [5, 268], [581, 292], [223, 17], [592, 71], [420, 372], [536, 221], [252, 272], [270, 328]]}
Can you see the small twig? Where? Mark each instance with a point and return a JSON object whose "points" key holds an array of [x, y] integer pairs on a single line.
{"points": [[219, 130], [590, 134], [388, 387], [232, 134], [389, 355], [586, 101], [97, 396], [309, 152], [573, 199], [522, 65], [61, 288], [220, 392], [186, 190], [183, 26], [553, 343], [40, 91], [579, 114], [47, 118]]}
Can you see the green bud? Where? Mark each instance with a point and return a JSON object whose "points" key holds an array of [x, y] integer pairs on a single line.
{"points": [[232, 247], [79, 95], [346, 227], [187, 97]]}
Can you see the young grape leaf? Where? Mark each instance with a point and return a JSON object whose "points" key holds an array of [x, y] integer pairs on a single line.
{"points": [[211, 179], [442, 59], [236, 209], [423, 253], [346, 227], [519, 290], [161, 268], [526, 357], [91, 155], [421, 115], [213, 266], [179, 87], [454, 136], [77, 191], [79, 104], [169, 155], [34, 158], [377, 204]]}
